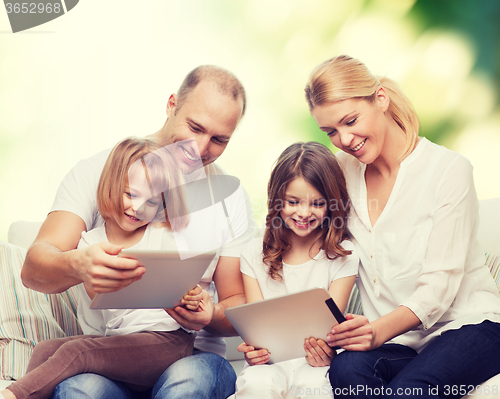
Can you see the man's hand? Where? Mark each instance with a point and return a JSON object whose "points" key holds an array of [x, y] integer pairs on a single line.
{"points": [[254, 356], [318, 352], [194, 320], [102, 271]]}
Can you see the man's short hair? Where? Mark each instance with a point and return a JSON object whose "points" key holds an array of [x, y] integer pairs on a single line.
{"points": [[225, 81]]}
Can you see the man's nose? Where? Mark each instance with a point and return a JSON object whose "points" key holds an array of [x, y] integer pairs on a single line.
{"points": [[203, 142]]}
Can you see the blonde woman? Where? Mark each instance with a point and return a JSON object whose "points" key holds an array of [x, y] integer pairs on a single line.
{"points": [[431, 311]]}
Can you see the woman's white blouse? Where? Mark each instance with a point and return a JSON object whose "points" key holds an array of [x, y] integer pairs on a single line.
{"points": [[423, 252]]}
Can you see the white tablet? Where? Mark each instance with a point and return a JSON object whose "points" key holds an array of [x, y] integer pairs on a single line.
{"points": [[166, 281], [282, 323]]}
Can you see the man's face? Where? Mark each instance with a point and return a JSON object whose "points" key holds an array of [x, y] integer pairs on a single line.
{"points": [[203, 125]]}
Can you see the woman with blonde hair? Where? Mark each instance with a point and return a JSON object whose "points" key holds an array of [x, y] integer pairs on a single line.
{"points": [[431, 324]]}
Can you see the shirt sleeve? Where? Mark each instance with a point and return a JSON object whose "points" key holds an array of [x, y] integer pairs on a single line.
{"points": [[250, 257], [347, 265], [454, 228], [242, 224], [77, 192]]}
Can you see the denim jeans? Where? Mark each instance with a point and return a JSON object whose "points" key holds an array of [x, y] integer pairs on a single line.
{"points": [[449, 367], [202, 375]]}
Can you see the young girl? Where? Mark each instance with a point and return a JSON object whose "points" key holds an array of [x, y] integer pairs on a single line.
{"points": [[305, 246], [131, 346]]}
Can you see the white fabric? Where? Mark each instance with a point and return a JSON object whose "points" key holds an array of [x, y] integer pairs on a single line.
{"points": [[318, 272], [423, 251], [111, 322], [77, 194], [293, 378]]}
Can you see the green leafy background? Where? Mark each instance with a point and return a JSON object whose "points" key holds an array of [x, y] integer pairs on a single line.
{"points": [[105, 70]]}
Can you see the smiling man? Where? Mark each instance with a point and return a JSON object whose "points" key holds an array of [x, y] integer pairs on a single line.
{"points": [[201, 119]]}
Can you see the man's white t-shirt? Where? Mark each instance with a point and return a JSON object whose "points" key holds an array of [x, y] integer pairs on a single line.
{"points": [[77, 194]]}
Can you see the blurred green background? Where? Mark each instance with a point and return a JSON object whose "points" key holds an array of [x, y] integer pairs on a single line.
{"points": [[104, 71]]}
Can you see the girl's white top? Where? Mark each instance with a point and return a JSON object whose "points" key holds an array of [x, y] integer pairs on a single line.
{"points": [[318, 272]]}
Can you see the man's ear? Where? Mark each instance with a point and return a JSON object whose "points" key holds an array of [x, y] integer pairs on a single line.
{"points": [[171, 104], [383, 99]]}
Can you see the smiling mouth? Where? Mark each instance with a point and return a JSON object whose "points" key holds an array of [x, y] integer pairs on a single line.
{"points": [[133, 218], [189, 156], [303, 224], [359, 146]]}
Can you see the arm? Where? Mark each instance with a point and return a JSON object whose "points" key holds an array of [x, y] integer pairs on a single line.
{"points": [[318, 351], [358, 334], [53, 264]]}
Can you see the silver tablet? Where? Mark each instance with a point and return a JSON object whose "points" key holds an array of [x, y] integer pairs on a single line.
{"points": [[282, 323], [166, 281]]}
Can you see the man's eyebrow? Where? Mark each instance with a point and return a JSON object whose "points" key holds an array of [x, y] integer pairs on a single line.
{"points": [[197, 125]]}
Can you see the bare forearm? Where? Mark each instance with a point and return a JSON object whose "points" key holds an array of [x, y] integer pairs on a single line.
{"points": [[220, 325], [48, 269]]}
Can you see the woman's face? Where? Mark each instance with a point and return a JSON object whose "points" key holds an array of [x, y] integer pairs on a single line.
{"points": [[355, 126]]}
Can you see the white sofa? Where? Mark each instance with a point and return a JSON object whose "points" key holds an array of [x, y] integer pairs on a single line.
{"points": [[45, 316]]}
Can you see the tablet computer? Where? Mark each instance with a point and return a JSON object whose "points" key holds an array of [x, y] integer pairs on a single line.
{"points": [[167, 279], [282, 323]]}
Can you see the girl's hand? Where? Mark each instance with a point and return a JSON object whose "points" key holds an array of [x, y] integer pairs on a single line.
{"points": [[318, 352], [253, 356], [192, 299], [354, 334]]}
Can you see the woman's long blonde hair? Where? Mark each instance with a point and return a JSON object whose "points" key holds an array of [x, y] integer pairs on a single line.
{"points": [[343, 77]]}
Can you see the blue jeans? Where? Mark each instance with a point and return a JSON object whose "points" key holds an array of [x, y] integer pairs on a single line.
{"points": [[202, 375], [449, 367]]}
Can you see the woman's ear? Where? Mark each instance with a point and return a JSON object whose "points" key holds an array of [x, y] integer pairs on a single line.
{"points": [[171, 104], [383, 99]]}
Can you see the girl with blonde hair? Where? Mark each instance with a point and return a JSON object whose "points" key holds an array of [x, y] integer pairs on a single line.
{"points": [[133, 347], [431, 309]]}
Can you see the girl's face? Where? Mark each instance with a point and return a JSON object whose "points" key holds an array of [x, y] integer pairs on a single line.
{"points": [[140, 206], [355, 126], [304, 207]]}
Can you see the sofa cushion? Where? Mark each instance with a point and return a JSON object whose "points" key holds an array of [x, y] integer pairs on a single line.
{"points": [[26, 316]]}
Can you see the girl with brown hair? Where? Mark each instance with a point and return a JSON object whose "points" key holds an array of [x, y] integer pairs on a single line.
{"points": [[305, 246]]}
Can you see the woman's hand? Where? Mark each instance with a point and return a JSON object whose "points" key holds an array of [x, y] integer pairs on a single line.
{"points": [[354, 334], [318, 352], [193, 298], [253, 356]]}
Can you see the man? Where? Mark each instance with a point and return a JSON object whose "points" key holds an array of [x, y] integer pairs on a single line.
{"points": [[201, 120]]}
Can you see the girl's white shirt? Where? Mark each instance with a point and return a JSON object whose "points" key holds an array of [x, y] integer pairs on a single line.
{"points": [[317, 272], [423, 252], [111, 322]]}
